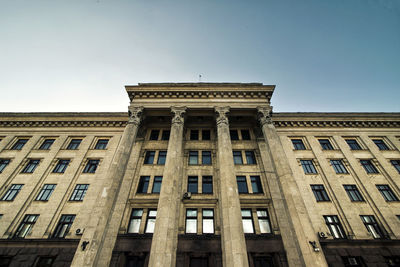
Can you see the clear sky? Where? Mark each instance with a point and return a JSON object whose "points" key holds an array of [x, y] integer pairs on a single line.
{"points": [[322, 55]]}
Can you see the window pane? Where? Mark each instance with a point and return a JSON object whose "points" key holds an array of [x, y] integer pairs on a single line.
{"points": [[206, 157], [150, 225], [194, 134], [192, 184], [208, 226], [245, 134], [191, 226], [162, 155], [206, 134], [134, 226], [193, 157], [256, 184], [154, 134], [242, 185], [234, 134], [248, 226], [237, 157]]}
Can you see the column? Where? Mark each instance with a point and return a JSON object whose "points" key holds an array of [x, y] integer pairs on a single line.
{"points": [[95, 235], [165, 237], [294, 223], [233, 241]]}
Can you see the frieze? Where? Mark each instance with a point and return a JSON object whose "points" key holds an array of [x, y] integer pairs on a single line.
{"points": [[345, 124], [63, 123]]}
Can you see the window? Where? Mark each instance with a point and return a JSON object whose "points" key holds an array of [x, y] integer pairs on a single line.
{"points": [[165, 135], [3, 164], [79, 192], [208, 221], [263, 221], [386, 192], [192, 184], [260, 261], [63, 226], [46, 144], [31, 166], [206, 157], [44, 261], [372, 226], [26, 225], [353, 261], [61, 166], [308, 166], [151, 221], [242, 184], [338, 166], [46, 191], [335, 227], [237, 157], [12, 192], [135, 261], [135, 221], [245, 134], [101, 144], [250, 157], [194, 134], [162, 156], [353, 144], [319, 192], [395, 163], [234, 134], [368, 166], [143, 184], [380, 144], [247, 221], [207, 185], [256, 184], [205, 135], [353, 192], [74, 144], [193, 157], [191, 221], [149, 157], [298, 144], [19, 144], [325, 144], [157, 184], [154, 134], [91, 166]]}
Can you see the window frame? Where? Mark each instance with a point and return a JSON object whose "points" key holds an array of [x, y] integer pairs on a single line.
{"points": [[91, 166], [209, 183], [247, 218], [387, 193], [236, 157], [206, 154], [133, 218], [60, 232], [45, 192], [258, 183], [12, 192], [204, 217], [193, 158], [101, 144], [243, 183], [148, 218], [325, 144], [321, 195], [377, 232], [61, 166], [369, 166], [193, 183], [266, 218], [162, 154], [149, 157], [380, 143], [143, 185], [335, 226], [154, 134], [298, 144], [353, 193], [29, 221], [157, 183], [79, 192], [19, 144], [339, 166], [74, 144], [249, 154], [31, 166], [3, 164], [192, 219], [353, 144], [308, 166], [47, 143], [396, 164]]}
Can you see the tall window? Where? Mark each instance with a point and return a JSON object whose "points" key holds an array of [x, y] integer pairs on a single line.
{"points": [[194, 134], [338, 166], [64, 225], [61, 166], [372, 226], [353, 192], [242, 184], [353, 144], [3, 164], [396, 164], [245, 134], [335, 227], [149, 157], [208, 221], [298, 144], [237, 157], [162, 156], [46, 192], [308, 166], [380, 144], [91, 166], [143, 184], [12, 192], [387, 192], [74, 144], [263, 221], [368, 166], [101, 144], [247, 220], [151, 221], [256, 184], [193, 157], [19, 144], [191, 221], [319, 192], [192, 184], [46, 144], [206, 157], [207, 185], [31, 166], [135, 221], [154, 134], [325, 144], [165, 135], [205, 135], [79, 192], [250, 157], [157, 184], [234, 134], [26, 225]]}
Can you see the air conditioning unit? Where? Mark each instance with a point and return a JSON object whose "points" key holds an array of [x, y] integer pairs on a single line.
{"points": [[187, 195], [79, 231], [322, 235]]}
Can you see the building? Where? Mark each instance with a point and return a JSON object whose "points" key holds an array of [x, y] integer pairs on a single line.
{"points": [[200, 174]]}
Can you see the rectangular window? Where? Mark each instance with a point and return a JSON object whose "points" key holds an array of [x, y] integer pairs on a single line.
{"points": [[162, 156], [46, 192], [31, 166], [74, 144], [157, 184], [192, 184], [380, 144], [154, 135], [353, 144], [335, 227], [206, 157], [237, 157], [101, 144], [26, 225], [338, 166], [368, 166], [234, 134], [12, 192], [250, 157], [151, 221], [44, 261], [353, 192], [135, 221], [165, 135], [242, 184], [256, 184], [194, 134], [208, 221], [245, 134], [319, 192], [325, 144], [46, 144], [19, 144], [298, 144], [79, 192], [372, 226], [396, 164], [61, 166], [263, 221], [143, 184], [193, 157], [191, 221], [207, 185], [91, 166], [387, 192], [205, 135], [308, 166], [149, 157], [63, 226], [353, 261], [3, 164], [247, 221]]}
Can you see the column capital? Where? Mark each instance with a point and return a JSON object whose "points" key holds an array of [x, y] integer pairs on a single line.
{"points": [[135, 115], [264, 114], [222, 117], [179, 113]]}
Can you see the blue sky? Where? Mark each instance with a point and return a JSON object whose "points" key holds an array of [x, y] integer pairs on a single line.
{"points": [[322, 55]]}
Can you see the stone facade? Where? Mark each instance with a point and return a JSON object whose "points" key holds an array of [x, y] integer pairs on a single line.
{"points": [[199, 174]]}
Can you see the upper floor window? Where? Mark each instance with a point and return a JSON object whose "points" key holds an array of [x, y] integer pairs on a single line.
{"points": [[256, 184], [207, 221], [191, 221], [245, 134], [242, 184], [338, 166], [368, 166], [162, 156], [64, 225], [135, 221], [12, 192], [353, 192], [31, 166], [250, 157], [194, 134], [19, 144], [353, 144], [206, 157], [91, 166], [157, 184], [234, 134], [74, 144], [101, 144], [79, 192], [380, 144], [165, 135], [143, 184], [325, 144], [151, 221], [154, 134], [372, 226], [192, 184], [387, 192], [263, 221], [46, 144], [237, 157], [207, 185], [319, 192], [247, 221], [262, 218], [298, 144], [26, 225], [193, 157], [46, 192], [61, 166], [3, 164], [149, 157], [335, 227], [308, 166], [396, 164], [205, 134]]}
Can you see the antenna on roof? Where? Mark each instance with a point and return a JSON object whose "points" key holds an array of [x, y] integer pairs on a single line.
{"points": [[199, 78]]}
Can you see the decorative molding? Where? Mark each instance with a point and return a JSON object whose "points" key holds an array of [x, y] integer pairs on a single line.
{"points": [[222, 116], [135, 115], [179, 113], [264, 115], [63, 123], [346, 124]]}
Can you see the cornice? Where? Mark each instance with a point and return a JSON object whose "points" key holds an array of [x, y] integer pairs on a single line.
{"points": [[63, 123], [341, 124]]}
